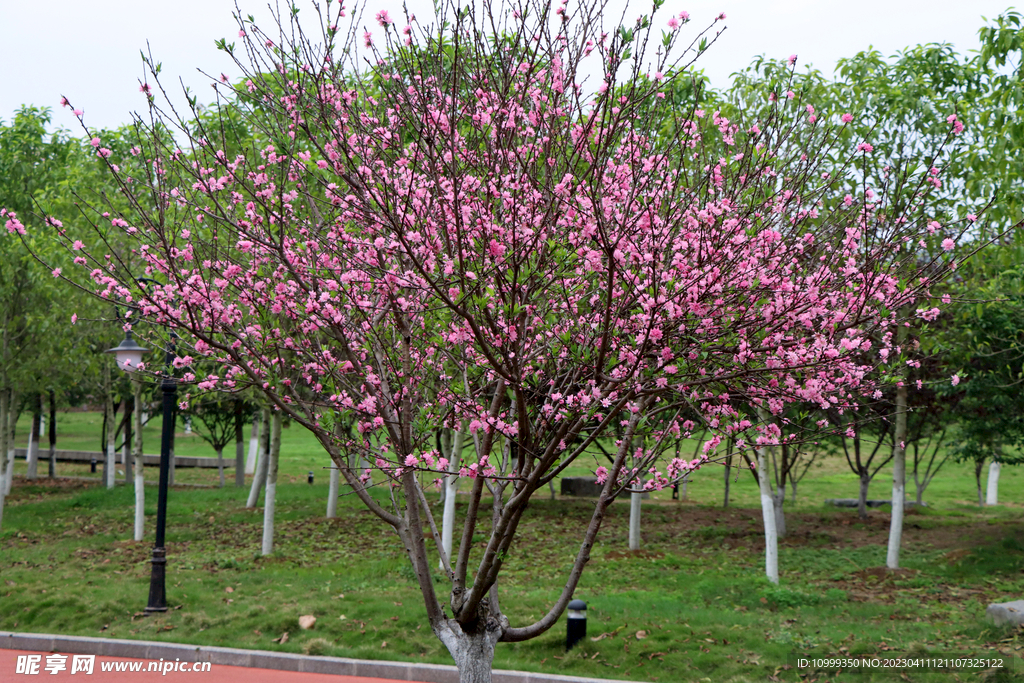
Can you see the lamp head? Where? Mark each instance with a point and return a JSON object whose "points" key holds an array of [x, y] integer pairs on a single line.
{"points": [[128, 353]]}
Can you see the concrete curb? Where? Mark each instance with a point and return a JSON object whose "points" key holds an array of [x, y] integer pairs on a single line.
{"points": [[282, 661]]}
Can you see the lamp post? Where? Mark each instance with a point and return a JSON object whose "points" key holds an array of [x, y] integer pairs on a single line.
{"points": [[129, 355]]}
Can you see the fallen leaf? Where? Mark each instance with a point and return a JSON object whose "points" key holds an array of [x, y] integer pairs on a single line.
{"points": [[383, 644], [342, 617], [307, 621], [258, 632], [640, 635], [229, 589], [600, 637], [283, 639]]}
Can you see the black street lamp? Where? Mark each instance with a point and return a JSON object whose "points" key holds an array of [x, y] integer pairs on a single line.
{"points": [[129, 355]]}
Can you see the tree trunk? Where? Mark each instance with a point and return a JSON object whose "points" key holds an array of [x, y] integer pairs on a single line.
{"points": [[862, 494], [270, 498], [332, 492], [778, 499], [764, 484], [254, 445], [899, 477], [110, 461], [5, 410], [34, 434], [451, 486], [12, 421], [978, 466], [473, 652], [635, 499], [138, 466], [239, 448], [792, 487], [728, 471], [52, 424], [992, 494], [220, 465], [260, 475]]}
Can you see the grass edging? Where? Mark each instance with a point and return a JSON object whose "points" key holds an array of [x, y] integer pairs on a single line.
{"points": [[282, 661]]}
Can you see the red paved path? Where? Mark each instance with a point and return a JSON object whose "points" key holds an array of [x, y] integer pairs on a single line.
{"points": [[218, 673]]}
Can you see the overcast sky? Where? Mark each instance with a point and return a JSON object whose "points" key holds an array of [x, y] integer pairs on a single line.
{"points": [[88, 50]]}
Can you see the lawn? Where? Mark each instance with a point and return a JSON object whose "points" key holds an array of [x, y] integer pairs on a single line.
{"points": [[689, 606]]}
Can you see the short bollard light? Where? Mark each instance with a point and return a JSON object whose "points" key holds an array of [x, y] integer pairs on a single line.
{"points": [[310, 478], [576, 624], [92, 466]]}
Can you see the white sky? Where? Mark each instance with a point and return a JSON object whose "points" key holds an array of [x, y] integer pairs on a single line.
{"points": [[88, 50]]}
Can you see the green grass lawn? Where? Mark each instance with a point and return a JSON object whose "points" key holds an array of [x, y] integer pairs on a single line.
{"points": [[690, 606]]}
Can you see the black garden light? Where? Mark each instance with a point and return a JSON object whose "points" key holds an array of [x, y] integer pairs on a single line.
{"points": [[129, 356], [576, 623]]}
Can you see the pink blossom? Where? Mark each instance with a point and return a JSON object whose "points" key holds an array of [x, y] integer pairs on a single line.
{"points": [[77, 112], [368, 39], [602, 474], [383, 19], [865, 147], [78, 245], [63, 101], [720, 17], [74, 318], [673, 23], [955, 380], [948, 244], [971, 217], [792, 60], [56, 272], [846, 118]]}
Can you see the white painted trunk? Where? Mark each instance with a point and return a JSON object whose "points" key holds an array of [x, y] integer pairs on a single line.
{"points": [[254, 446], [260, 475], [32, 451], [332, 492], [992, 494], [473, 652], [267, 546], [138, 465], [771, 535], [635, 498], [269, 500], [451, 486], [899, 480]]}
